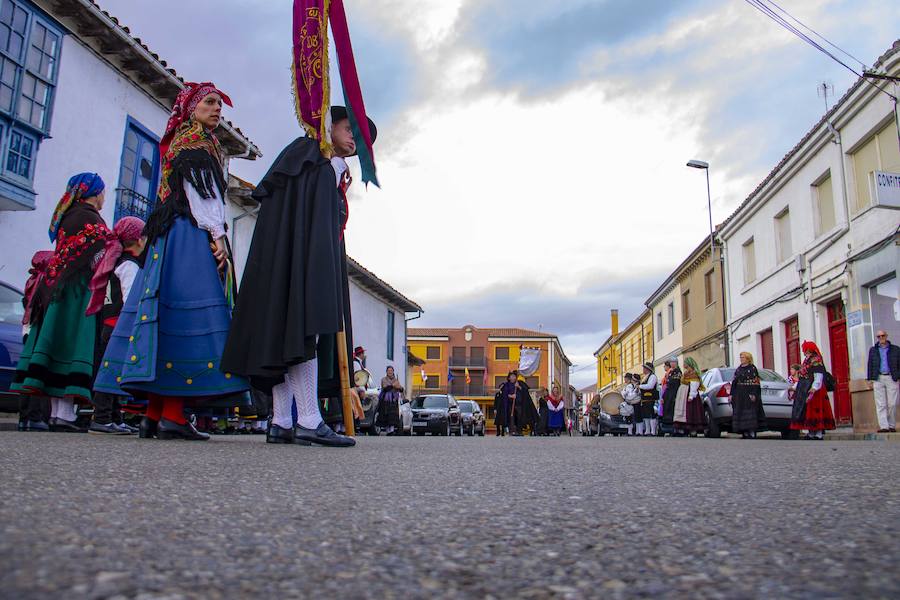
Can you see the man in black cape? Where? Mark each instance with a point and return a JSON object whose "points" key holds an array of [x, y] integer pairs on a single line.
{"points": [[294, 294]]}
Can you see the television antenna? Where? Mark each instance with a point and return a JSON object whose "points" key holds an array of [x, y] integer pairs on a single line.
{"points": [[825, 90]]}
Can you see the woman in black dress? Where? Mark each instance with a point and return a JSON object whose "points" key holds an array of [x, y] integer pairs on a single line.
{"points": [[746, 399]]}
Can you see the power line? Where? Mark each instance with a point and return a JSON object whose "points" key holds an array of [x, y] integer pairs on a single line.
{"points": [[772, 13], [817, 34]]}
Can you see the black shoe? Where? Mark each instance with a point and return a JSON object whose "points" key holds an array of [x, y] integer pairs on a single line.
{"points": [[35, 426], [106, 429], [279, 435], [125, 427], [169, 430], [322, 435], [62, 426], [149, 428]]}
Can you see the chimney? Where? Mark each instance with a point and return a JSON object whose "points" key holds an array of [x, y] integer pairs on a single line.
{"points": [[614, 319]]}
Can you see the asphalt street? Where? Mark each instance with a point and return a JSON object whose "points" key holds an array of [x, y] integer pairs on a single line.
{"points": [[94, 517]]}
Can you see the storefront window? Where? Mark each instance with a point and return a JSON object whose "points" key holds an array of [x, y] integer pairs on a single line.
{"points": [[884, 299]]}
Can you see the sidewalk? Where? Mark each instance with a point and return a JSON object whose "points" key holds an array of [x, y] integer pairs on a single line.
{"points": [[842, 434]]}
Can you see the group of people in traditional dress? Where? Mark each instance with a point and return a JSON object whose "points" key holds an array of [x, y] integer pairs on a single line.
{"points": [[147, 315], [674, 406], [516, 413]]}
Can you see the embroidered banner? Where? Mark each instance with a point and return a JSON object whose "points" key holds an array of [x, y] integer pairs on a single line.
{"points": [[309, 71], [356, 109]]}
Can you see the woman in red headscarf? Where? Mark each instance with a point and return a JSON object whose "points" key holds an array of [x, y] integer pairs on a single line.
{"points": [[812, 408], [168, 341]]}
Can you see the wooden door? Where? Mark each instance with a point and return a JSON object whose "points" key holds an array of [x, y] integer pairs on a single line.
{"points": [[792, 342], [840, 362], [767, 343]]}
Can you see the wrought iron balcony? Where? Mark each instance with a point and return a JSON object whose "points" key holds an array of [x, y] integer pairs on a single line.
{"points": [[131, 204], [479, 362]]}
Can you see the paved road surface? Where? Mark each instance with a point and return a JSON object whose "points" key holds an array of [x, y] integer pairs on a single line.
{"points": [[89, 517]]}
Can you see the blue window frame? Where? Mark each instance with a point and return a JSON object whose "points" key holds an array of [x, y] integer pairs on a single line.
{"points": [[138, 172], [390, 335], [30, 44]]}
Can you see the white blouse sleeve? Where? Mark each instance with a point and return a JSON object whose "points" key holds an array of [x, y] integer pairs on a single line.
{"points": [[208, 212], [695, 389], [651, 383], [818, 378], [126, 273]]}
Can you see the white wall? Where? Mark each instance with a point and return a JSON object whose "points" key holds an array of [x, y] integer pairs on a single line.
{"points": [[88, 130], [670, 344], [370, 332]]}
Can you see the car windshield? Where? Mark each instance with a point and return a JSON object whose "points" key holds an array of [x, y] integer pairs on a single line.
{"points": [[467, 406], [431, 402], [764, 375], [11, 309]]}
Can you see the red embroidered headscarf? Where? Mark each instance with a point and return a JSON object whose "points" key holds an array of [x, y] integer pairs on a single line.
{"points": [[126, 231], [809, 346], [185, 104]]}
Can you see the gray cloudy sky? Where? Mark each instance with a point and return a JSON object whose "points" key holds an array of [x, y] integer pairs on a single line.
{"points": [[532, 154]]}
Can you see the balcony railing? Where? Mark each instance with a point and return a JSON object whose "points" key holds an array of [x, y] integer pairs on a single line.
{"points": [[468, 361], [131, 204], [457, 389]]}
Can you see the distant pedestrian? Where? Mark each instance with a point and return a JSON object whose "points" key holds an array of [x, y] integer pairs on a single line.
{"points": [[543, 412], [884, 373], [673, 383], [556, 404], [389, 403], [793, 379], [631, 395], [746, 398], [649, 396], [693, 421], [503, 402], [812, 408]]}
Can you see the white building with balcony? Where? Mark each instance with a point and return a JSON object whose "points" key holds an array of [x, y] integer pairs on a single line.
{"points": [[78, 93], [812, 253]]}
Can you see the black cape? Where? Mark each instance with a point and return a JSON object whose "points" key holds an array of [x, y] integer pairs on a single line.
{"points": [[673, 382], [294, 287]]}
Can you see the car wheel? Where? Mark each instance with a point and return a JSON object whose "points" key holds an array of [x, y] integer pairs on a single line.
{"points": [[420, 433], [712, 427], [790, 434], [373, 430]]}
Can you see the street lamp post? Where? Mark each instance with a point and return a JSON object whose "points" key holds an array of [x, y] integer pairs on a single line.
{"points": [[699, 164]]}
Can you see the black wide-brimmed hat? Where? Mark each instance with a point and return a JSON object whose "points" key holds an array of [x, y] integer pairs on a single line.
{"points": [[649, 366], [339, 113]]}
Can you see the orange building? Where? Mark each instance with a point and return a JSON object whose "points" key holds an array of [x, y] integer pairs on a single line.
{"points": [[488, 355]]}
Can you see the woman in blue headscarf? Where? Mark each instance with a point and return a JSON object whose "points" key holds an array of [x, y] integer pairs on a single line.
{"points": [[58, 357]]}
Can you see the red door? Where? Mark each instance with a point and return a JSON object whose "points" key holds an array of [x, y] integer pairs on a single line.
{"points": [[840, 362], [767, 343], [792, 342]]}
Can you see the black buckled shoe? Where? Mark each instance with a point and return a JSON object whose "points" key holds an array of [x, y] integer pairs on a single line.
{"points": [[148, 429], [62, 426], [279, 435], [169, 430], [322, 435]]}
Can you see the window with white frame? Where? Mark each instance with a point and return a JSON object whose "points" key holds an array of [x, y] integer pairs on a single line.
{"points": [[880, 153], [749, 256], [823, 205], [29, 55], [783, 246]]}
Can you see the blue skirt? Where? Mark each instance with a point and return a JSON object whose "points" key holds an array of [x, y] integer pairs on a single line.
{"points": [[555, 420], [172, 330]]}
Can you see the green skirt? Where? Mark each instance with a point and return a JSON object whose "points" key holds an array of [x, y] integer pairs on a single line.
{"points": [[58, 357]]}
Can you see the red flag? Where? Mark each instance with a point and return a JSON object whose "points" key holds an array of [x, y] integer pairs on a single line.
{"points": [[309, 70]]}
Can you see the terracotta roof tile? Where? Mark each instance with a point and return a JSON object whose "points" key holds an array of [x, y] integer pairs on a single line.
{"points": [[491, 331]]}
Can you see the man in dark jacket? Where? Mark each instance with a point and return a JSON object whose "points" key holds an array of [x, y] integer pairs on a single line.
{"points": [[884, 372]]}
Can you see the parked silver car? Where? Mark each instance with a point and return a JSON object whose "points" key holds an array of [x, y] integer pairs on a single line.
{"points": [[717, 401]]}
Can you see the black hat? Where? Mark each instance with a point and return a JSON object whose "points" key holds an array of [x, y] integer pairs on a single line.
{"points": [[649, 366], [339, 113]]}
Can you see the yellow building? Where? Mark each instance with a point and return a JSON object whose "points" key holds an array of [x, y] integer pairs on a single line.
{"points": [[624, 352]]}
